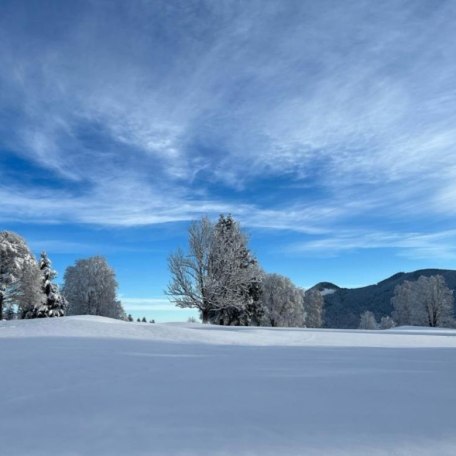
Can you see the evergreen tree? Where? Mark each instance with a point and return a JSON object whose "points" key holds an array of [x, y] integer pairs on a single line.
{"points": [[143, 320], [9, 313], [234, 277], [130, 318], [53, 304]]}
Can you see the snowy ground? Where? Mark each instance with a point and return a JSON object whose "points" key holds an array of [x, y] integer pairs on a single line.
{"points": [[94, 386]]}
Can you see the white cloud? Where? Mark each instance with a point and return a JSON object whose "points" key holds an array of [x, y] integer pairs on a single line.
{"points": [[362, 116], [148, 304], [436, 245]]}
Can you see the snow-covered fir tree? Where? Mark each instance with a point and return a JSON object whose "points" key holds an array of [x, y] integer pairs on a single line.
{"points": [[53, 304], [9, 313], [234, 277]]}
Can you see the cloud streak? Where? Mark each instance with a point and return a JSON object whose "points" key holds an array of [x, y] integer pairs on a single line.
{"points": [[143, 113], [437, 245]]}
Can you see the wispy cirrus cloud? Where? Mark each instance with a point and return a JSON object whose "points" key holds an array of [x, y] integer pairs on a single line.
{"points": [[142, 113], [436, 245]]}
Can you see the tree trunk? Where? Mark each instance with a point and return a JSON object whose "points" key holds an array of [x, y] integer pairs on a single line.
{"points": [[205, 315], [1, 305]]}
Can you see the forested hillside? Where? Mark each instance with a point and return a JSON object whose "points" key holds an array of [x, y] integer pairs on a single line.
{"points": [[343, 306]]}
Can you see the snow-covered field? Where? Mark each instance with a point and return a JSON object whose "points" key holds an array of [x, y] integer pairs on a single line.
{"points": [[94, 386]]}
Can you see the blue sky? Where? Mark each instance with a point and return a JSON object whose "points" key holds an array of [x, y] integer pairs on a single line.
{"points": [[327, 128]]}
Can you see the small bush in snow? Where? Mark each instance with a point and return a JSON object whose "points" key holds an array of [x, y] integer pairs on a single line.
{"points": [[387, 323], [368, 321]]}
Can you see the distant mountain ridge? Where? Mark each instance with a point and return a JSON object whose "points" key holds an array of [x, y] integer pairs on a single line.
{"points": [[343, 306]]}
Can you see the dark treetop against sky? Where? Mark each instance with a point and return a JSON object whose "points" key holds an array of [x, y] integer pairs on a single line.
{"points": [[327, 128]]}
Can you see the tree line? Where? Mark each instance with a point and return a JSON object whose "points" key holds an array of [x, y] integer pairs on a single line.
{"points": [[423, 302], [217, 274]]}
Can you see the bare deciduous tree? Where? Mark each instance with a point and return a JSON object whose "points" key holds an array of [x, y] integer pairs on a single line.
{"points": [[28, 293], [437, 300], [313, 307], [367, 320], [387, 323], [425, 302], [19, 275], [189, 286], [403, 302], [90, 287], [283, 302]]}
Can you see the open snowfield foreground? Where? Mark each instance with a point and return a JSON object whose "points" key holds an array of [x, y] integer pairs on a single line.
{"points": [[95, 386]]}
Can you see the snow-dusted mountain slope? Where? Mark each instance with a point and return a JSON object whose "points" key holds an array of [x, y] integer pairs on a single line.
{"points": [[94, 386]]}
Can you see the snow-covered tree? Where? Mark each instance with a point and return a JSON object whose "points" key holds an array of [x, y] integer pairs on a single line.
{"points": [[283, 302], [437, 300], [19, 287], [313, 308], [90, 287], [28, 294], [9, 313], [53, 304], [425, 302], [367, 320], [403, 302], [234, 277], [189, 286], [387, 323], [218, 276]]}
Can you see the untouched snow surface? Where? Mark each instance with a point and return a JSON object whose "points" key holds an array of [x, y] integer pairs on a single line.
{"points": [[95, 386]]}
